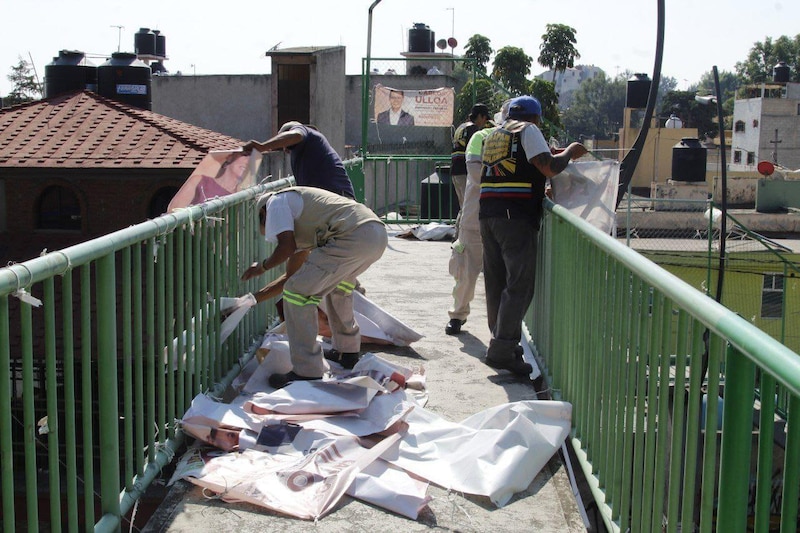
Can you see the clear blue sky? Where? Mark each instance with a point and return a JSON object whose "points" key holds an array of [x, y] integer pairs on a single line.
{"points": [[233, 37]]}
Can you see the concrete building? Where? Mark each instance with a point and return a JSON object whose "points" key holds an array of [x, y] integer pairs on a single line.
{"points": [[570, 80], [766, 126], [79, 165], [308, 85]]}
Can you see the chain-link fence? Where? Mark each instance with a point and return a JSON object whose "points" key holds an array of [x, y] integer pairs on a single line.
{"points": [[761, 277]]}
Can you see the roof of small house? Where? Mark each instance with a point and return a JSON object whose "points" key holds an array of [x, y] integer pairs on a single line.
{"points": [[85, 130]]}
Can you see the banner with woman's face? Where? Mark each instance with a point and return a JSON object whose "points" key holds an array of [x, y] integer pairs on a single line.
{"points": [[221, 172]]}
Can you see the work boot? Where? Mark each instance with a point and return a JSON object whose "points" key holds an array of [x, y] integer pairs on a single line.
{"points": [[515, 365], [279, 381], [347, 359], [454, 326]]}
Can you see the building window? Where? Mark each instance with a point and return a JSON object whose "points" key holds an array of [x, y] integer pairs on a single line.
{"points": [[772, 296], [160, 201], [798, 109], [737, 156], [59, 208], [755, 122], [739, 126], [751, 158]]}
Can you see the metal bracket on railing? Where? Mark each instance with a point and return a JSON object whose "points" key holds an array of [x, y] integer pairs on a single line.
{"points": [[25, 296], [21, 293]]}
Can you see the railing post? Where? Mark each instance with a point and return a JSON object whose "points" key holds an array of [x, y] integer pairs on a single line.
{"points": [[735, 448], [108, 414], [6, 444]]}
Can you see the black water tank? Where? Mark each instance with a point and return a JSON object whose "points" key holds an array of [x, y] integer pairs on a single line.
{"points": [[68, 72], [144, 42], [420, 38], [781, 72], [161, 44], [638, 91], [158, 68], [126, 79], [689, 160]]}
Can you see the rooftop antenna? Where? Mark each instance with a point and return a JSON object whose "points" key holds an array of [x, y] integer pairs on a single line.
{"points": [[452, 28], [119, 35], [39, 84]]}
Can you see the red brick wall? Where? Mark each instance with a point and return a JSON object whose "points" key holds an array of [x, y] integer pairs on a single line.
{"points": [[109, 200]]}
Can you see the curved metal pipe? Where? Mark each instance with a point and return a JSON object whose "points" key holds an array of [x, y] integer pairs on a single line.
{"points": [[365, 87], [629, 162], [723, 229]]}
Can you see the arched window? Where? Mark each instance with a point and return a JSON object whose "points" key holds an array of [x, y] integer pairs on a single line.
{"points": [[160, 201], [739, 126], [59, 208]]}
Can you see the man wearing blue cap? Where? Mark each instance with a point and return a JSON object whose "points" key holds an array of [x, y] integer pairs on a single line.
{"points": [[516, 165]]}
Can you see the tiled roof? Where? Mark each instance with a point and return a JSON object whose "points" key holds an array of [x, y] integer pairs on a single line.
{"points": [[86, 130]]}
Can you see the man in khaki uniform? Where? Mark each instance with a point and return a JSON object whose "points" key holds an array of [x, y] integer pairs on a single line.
{"points": [[344, 238]]}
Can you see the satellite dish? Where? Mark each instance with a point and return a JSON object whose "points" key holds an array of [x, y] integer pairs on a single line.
{"points": [[441, 44], [451, 42], [765, 168]]}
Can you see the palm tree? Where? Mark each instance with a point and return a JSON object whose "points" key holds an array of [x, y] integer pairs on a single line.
{"points": [[558, 50], [479, 49], [511, 66]]}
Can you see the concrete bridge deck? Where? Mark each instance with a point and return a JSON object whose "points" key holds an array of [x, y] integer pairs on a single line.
{"points": [[411, 281]]}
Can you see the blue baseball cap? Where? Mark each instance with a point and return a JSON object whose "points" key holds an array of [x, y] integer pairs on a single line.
{"points": [[523, 106]]}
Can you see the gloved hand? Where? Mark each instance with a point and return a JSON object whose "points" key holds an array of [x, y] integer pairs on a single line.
{"points": [[234, 309], [228, 306]]}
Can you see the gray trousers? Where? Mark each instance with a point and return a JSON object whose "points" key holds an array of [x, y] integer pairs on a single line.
{"points": [[509, 269], [329, 272], [465, 267]]}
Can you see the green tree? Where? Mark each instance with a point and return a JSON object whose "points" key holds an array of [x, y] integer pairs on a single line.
{"points": [[666, 85], [545, 92], [691, 113], [763, 56], [26, 87], [479, 49], [728, 84], [557, 51], [484, 93], [597, 108], [511, 67]]}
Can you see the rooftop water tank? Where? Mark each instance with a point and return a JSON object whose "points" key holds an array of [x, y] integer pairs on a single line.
{"points": [[144, 42], [689, 160], [68, 72], [126, 79], [420, 38], [158, 68], [781, 72], [161, 44], [638, 91]]}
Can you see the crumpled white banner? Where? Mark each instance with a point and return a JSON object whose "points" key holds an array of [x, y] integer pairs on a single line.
{"points": [[589, 190], [494, 453]]}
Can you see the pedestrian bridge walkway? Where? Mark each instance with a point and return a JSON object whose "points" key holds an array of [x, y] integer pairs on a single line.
{"points": [[92, 381]]}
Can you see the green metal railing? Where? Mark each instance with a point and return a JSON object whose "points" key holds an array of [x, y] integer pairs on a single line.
{"points": [[627, 343], [407, 189], [91, 382]]}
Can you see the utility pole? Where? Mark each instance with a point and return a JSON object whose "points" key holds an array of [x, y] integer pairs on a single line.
{"points": [[119, 35], [776, 142], [453, 25]]}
